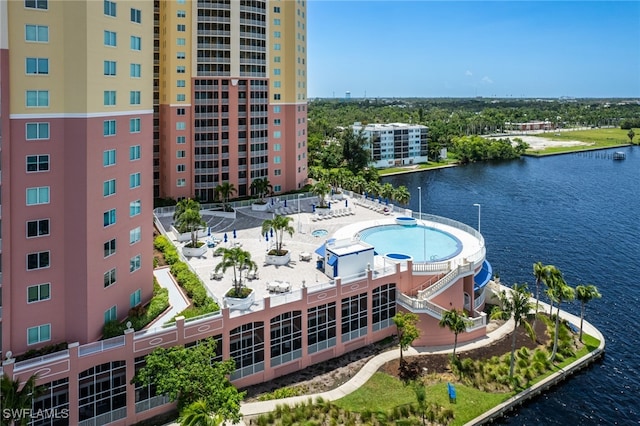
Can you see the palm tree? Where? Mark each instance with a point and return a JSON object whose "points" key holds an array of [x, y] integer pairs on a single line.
{"points": [[225, 190], [187, 218], [540, 272], [631, 135], [457, 322], [386, 190], [559, 293], [401, 194], [321, 189], [554, 276], [198, 414], [261, 187], [517, 306], [585, 294], [237, 259], [14, 398], [280, 225], [407, 330]]}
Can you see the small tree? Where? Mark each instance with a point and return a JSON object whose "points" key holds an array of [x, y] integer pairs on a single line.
{"points": [[280, 225], [187, 218], [585, 294], [321, 189], [517, 306], [189, 375], [407, 330], [401, 194], [631, 135], [261, 187], [457, 322], [198, 414], [237, 259], [224, 191]]}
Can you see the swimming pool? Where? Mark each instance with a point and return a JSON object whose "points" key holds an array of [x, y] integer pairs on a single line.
{"points": [[422, 243], [319, 232]]}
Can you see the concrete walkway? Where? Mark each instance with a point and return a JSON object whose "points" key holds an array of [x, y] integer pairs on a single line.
{"points": [[177, 300]]}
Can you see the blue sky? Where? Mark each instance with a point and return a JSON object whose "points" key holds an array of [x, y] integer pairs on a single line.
{"points": [[473, 48]]}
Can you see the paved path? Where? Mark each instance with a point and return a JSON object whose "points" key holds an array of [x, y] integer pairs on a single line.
{"points": [[177, 299]]}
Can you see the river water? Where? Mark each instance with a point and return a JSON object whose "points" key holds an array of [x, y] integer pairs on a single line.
{"points": [[580, 212]]}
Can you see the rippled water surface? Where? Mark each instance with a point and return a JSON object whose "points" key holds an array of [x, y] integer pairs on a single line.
{"points": [[580, 212]]}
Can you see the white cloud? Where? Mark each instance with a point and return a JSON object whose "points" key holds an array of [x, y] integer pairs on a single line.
{"points": [[487, 80], [468, 73]]}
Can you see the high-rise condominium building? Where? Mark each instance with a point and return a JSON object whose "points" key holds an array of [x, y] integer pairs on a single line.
{"points": [[230, 104], [76, 110]]}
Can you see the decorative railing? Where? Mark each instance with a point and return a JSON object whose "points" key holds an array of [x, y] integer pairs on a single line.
{"points": [[446, 280], [32, 362], [420, 304], [284, 298], [101, 346]]}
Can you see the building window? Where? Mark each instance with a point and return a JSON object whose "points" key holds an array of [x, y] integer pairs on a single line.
{"points": [[134, 152], [277, 188], [276, 97], [321, 327], [135, 298], [181, 182], [181, 125], [276, 109], [277, 147], [181, 97], [37, 33], [38, 293], [134, 125], [276, 21], [40, 333], [277, 172], [384, 306], [111, 314], [276, 34], [109, 127], [181, 28], [182, 14], [276, 9], [276, 159], [134, 97], [181, 111], [110, 8], [134, 208], [37, 228], [103, 393], [246, 344], [136, 15], [134, 235], [181, 55], [110, 38], [286, 337], [136, 43], [37, 98], [108, 187], [109, 67], [180, 83], [109, 277], [38, 260], [276, 122], [277, 134], [109, 157], [37, 4], [109, 98], [110, 247], [277, 84], [38, 163], [109, 218], [276, 46], [134, 180], [37, 195], [181, 41], [276, 59], [134, 70], [181, 153], [37, 66], [276, 71], [180, 168], [134, 263], [354, 317], [181, 139], [180, 69]]}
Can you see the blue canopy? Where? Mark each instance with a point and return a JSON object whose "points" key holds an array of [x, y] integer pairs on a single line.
{"points": [[332, 260], [321, 251], [483, 277]]}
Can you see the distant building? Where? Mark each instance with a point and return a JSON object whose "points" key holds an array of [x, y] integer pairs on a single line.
{"points": [[395, 144]]}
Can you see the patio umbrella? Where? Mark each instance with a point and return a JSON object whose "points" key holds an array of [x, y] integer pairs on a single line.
{"points": [[346, 202], [285, 202], [225, 237], [313, 208], [208, 231], [271, 232], [234, 233], [329, 204], [266, 236]]}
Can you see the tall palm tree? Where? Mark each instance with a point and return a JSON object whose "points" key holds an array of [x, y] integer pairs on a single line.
{"points": [[15, 398], [457, 322], [187, 218], [280, 225], [561, 292], [401, 194], [321, 189], [225, 190], [386, 190], [517, 306], [553, 279], [198, 414], [585, 294], [261, 187], [237, 259]]}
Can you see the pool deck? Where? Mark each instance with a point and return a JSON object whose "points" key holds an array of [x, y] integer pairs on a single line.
{"points": [[248, 224]]}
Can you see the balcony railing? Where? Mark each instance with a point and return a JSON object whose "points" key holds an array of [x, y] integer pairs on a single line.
{"points": [[446, 280], [101, 346], [32, 362]]}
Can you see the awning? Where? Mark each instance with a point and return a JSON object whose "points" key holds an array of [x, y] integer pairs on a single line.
{"points": [[332, 260], [483, 277], [320, 251]]}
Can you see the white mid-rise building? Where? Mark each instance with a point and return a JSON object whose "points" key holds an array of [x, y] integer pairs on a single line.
{"points": [[395, 144]]}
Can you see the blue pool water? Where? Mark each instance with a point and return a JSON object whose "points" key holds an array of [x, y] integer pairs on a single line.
{"points": [[319, 232], [420, 242]]}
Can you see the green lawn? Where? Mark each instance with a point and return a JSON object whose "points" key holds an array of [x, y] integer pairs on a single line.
{"points": [[597, 138]]}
